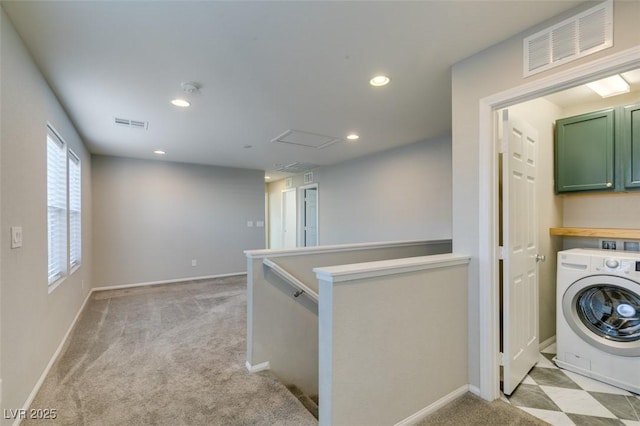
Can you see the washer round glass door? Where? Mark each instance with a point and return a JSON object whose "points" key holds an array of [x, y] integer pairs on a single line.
{"points": [[604, 310]]}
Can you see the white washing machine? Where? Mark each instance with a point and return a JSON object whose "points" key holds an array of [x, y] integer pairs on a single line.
{"points": [[598, 315]]}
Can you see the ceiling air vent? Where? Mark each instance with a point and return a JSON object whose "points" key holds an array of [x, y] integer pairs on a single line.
{"points": [[296, 167], [133, 124], [306, 139], [581, 35], [308, 178]]}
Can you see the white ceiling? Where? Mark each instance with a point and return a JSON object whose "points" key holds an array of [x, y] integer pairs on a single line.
{"points": [[265, 67], [584, 95]]}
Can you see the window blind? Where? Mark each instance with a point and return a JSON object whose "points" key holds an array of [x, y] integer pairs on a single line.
{"points": [[75, 211], [56, 207]]}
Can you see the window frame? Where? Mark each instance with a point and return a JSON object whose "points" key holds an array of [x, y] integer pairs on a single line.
{"points": [[74, 212], [57, 209]]}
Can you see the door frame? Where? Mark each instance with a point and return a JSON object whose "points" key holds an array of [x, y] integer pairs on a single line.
{"points": [[489, 386], [301, 212]]}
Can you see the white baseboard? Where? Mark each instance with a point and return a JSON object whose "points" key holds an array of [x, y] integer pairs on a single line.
{"points": [[551, 340], [474, 390], [420, 415], [53, 359], [177, 280], [258, 367]]}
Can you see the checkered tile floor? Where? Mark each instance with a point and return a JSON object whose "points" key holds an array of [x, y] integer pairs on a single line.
{"points": [[561, 397]]}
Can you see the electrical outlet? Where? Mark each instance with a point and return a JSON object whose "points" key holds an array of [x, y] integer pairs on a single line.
{"points": [[194, 262], [16, 237], [250, 224]]}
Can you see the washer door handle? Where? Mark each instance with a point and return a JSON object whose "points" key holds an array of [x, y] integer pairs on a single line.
{"points": [[540, 258]]}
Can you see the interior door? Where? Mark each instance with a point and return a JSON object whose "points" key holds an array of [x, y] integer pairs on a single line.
{"points": [[520, 250], [289, 219], [310, 217]]}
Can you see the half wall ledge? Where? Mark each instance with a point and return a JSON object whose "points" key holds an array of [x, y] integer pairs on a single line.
{"points": [[365, 270]]}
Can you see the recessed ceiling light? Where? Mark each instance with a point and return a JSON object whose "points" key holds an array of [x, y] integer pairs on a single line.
{"points": [[181, 103], [610, 86], [353, 137], [267, 177], [379, 80], [159, 152]]}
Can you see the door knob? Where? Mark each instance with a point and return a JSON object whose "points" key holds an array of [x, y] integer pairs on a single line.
{"points": [[540, 257]]}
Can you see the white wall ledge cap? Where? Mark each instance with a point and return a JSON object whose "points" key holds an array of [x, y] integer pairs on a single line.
{"points": [[299, 251], [357, 271]]}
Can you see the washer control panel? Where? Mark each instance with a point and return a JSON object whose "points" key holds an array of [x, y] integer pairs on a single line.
{"points": [[616, 265], [602, 262]]}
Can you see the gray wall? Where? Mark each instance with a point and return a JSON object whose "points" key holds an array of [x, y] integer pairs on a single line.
{"points": [[151, 218], [489, 72], [385, 351], [400, 194], [33, 322]]}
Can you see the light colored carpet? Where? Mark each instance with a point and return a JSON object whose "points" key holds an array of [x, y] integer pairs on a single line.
{"points": [[174, 355], [470, 410], [165, 355]]}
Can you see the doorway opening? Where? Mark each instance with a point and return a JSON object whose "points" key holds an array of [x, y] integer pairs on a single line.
{"points": [[289, 219], [489, 267], [309, 223]]}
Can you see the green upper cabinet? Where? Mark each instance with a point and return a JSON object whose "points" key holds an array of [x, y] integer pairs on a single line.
{"points": [[585, 152], [630, 147]]}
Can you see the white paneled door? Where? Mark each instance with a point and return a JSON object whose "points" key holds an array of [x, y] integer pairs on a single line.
{"points": [[310, 216], [520, 250], [289, 219]]}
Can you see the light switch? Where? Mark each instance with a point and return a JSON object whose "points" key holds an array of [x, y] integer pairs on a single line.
{"points": [[260, 223], [16, 237], [250, 224]]}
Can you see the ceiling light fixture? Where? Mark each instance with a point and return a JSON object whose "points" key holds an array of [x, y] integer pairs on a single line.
{"points": [[159, 152], [267, 177], [183, 103], [379, 80], [353, 136], [610, 86]]}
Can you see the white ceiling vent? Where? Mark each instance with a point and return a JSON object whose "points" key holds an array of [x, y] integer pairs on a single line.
{"points": [[308, 178], [581, 35], [306, 139], [296, 167], [133, 124]]}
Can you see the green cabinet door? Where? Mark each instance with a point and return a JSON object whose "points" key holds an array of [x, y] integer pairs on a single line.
{"points": [[585, 153], [630, 149]]}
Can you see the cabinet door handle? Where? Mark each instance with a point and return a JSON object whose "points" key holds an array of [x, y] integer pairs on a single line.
{"points": [[609, 184]]}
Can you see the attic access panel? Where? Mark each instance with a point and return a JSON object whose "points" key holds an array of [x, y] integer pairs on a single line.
{"points": [[306, 139]]}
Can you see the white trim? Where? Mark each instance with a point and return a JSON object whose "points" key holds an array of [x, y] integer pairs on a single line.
{"points": [[176, 280], [301, 251], [550, 341], [488, 228], [53, 359], [474, 390], [357, 271], [420, 415], [258, 367]]}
